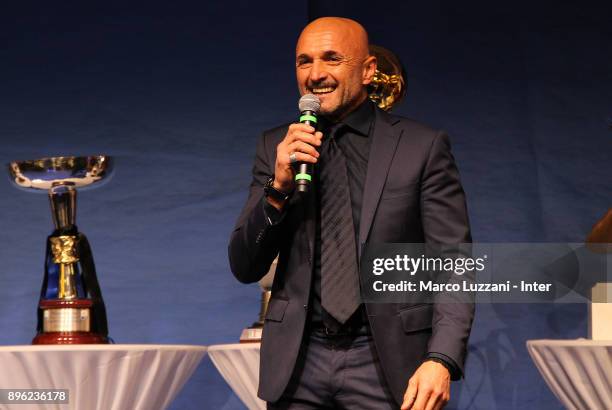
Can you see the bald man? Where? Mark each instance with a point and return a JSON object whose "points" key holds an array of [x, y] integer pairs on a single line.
{"points": [[378, 178]]}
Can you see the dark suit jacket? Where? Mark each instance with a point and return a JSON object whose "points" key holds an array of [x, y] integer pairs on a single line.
{"points": [[412, 194]]}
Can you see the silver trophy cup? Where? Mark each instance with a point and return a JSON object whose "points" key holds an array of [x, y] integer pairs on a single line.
{"points": [[71, 309]]}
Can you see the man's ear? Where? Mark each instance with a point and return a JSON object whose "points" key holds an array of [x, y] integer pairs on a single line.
{"points": [[369, 68]]}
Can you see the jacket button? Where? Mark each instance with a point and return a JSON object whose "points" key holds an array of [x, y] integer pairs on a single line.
{"points": [[306, 307]]}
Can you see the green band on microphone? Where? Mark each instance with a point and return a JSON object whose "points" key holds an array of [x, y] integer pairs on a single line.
{"points": [[299, 177], [307, 117]]}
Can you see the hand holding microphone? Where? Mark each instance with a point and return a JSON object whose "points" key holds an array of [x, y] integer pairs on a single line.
{"points": [[309, 106], [296, 154]]}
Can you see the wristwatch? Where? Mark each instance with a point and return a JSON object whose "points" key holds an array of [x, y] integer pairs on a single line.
{"points": [[271, 192]]}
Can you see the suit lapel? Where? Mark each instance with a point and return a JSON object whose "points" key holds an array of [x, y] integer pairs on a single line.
{"points": [[384, 142]]}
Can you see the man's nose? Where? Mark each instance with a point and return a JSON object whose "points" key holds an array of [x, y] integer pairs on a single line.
{"points": [[317, 72]]}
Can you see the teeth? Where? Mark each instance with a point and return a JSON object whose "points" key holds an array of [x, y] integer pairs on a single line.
{"points": [[323, 90]]}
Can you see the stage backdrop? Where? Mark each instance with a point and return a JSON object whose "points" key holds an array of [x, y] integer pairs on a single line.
{"points": [[179, 97]]}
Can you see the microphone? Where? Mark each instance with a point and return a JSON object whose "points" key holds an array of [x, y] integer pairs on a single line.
{"points": [[309, 106]]}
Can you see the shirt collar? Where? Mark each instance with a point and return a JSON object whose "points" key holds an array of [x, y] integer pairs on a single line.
{"points": [[360, 119]]}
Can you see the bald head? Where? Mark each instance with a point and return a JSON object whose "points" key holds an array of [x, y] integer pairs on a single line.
{"points": [[341, 30], [333, 62]]}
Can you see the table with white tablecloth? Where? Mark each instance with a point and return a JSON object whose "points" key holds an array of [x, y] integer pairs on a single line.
{"points": [[579, 372], [100, 377], [239, 365]]}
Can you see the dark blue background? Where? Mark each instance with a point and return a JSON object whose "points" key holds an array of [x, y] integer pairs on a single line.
{"points": [[179, 95]]}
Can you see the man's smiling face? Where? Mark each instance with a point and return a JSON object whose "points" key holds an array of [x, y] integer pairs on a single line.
{"points": [[332, 62]]}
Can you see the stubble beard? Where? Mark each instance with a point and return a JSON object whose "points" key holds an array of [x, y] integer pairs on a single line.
{"points": [[343, 110]]}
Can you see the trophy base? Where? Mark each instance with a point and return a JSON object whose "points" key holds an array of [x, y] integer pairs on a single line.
{"points": [[67, 322], [251, 335], [69, 338]]}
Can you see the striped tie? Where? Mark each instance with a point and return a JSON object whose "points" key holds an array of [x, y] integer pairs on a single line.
{"points": [[339, 276]]}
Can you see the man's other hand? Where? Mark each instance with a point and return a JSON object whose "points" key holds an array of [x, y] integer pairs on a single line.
{"points": [[428, 388]]}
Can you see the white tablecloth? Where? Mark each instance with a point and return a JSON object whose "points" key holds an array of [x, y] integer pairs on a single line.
{"points": [[100, 377], [239, 366], [579, 372]]}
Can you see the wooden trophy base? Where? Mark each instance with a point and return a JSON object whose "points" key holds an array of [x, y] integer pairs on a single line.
{"points": [[69, 338], [67, 322]]}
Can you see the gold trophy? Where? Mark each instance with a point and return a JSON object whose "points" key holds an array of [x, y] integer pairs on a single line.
{"points": [[388, 87], [71, 309]]}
